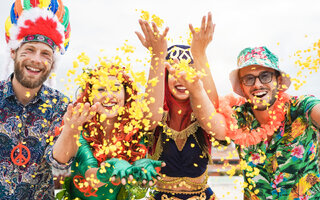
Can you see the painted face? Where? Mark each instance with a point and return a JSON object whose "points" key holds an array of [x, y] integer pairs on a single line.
{"points": [[33, 63], [178, 91], [260, 86], [111, 97]]}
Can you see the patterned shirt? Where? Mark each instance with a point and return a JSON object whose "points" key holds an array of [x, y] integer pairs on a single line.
{"points": [[287, 167], [27, 133]]}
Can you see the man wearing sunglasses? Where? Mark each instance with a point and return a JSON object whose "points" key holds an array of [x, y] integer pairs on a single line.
{"points": [[276, 134]]}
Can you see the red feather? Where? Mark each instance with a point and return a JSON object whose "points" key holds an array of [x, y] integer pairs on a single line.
{"points": [[46, 27], [34, 3]]}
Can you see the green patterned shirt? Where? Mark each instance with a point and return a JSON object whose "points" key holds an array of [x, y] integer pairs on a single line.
{"points": [[287, 167]]}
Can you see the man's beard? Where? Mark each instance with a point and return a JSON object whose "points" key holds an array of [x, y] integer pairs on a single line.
{"points": [[270, 103], [24, 80], [266, 105]]}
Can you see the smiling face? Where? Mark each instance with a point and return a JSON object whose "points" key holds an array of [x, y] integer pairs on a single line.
{"points": [[111, 97], [178, 91], [33, 63], [257, 85]]}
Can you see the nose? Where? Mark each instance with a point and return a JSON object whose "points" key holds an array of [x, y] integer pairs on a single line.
{"points": [[36, 58], [257, 82]]}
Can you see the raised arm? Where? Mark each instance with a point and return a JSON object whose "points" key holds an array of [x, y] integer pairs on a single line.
{"points": [[66, 146], [205, 112], [199, 44], [157, 45]]}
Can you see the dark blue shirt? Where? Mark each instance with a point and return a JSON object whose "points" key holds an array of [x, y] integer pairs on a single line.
{"points": [[32, 126]]}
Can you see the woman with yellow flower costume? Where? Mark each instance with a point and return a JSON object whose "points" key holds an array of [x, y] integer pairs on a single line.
{"points": [[111, 151]]}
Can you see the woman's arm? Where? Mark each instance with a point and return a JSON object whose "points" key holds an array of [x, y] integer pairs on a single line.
{"points": [[156, 43], [200, 41], [67, 145], [205, 112]]}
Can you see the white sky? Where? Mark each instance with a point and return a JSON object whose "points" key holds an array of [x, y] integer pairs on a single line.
{"points": [[281, 25]]}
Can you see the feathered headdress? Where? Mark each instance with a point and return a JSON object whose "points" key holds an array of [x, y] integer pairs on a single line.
{"points": [[44, 21]]}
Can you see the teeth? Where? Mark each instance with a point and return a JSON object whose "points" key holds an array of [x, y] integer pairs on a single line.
{"points": [[109, 104], [259, 93], [181, 88], [33, 69]]}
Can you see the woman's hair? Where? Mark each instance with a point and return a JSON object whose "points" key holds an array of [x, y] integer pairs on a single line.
{"points": [[94, 131]]}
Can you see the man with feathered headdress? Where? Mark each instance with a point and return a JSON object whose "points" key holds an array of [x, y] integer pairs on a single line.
{"points": [[36, 31]]}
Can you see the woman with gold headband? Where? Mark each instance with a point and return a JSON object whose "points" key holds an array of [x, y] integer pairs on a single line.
{"points": [[180, 140], [111, 143]]}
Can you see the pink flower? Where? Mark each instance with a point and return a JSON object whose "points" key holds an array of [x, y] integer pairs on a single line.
{"points": [[297, 151], [278, 179], [304, 197], [255, 158], [312, 149]]}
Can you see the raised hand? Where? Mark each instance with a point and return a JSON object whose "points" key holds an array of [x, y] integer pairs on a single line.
{"points": [[157, 44], [77, 115], [199, 44], [66, 146], [152, 39], [202, 38]]}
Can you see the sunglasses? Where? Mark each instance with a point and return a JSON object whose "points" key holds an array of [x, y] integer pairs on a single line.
{"points": [[264, 77]]}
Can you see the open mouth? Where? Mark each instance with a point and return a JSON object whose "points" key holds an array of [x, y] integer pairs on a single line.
{"points": [[33, 70], [181, 88], [260, 94], [110, 105]]}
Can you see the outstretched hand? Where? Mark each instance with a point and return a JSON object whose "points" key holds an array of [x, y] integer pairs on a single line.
{"points": [[77, 115], [202, 38], [144, 170], [113, 169], [152, 39]]}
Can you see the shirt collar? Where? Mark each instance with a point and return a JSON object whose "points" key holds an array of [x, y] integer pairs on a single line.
{"points": [[43, 93], [8, 87]]}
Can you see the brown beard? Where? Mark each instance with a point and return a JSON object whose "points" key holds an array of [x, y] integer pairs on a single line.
{"points": [[24, 81], [271, 102]]}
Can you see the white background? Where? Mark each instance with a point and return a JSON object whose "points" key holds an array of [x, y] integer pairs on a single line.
{"points": [[281, 25]]}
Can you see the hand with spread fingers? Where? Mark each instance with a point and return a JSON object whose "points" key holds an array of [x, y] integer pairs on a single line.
{"points": [[200, 41], [152, 39], [77, 115], [66, 146], [202, 37], [144, 170], [156, 42]]}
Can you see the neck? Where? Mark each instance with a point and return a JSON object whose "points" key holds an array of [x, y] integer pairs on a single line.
{"points": [[108, 125], [262, 116], [176, 119], [23, 94]]}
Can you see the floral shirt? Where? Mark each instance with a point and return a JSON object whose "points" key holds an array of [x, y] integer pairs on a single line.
{"points": [[26, 139], [287, 167]]}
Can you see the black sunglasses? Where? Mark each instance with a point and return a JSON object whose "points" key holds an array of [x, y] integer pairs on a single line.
{"points": [[264, 77]]}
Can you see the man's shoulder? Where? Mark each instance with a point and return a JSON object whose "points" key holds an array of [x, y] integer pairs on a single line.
{"points": [[303, 99], [2, 84], [3, 87]]}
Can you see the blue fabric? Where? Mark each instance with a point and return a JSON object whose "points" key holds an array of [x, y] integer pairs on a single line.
{"points": [[179, 52], [208, 192], [181, 163], [32, 125]]}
